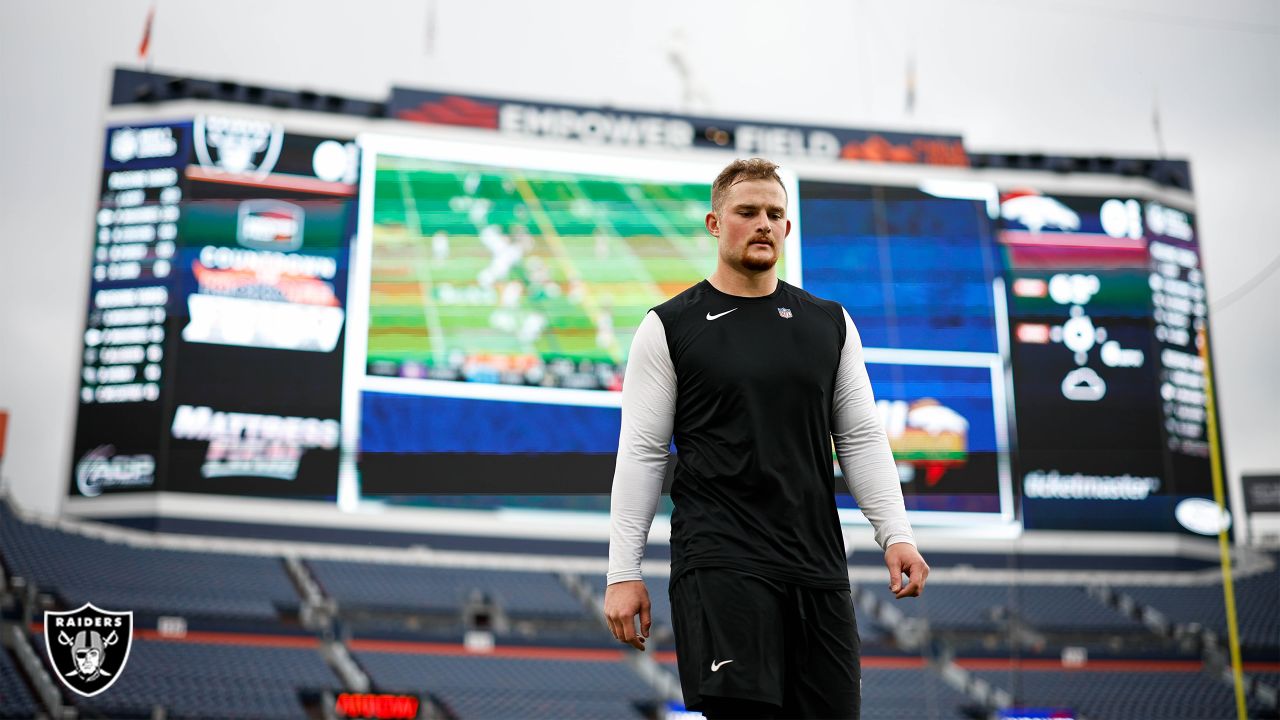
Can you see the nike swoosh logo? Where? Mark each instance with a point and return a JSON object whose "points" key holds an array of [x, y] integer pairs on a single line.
{"points": [[713, 317], [715, 666]]}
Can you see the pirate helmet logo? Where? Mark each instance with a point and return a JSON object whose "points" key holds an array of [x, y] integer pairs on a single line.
{"points": [[88, 647], [237, 145]]}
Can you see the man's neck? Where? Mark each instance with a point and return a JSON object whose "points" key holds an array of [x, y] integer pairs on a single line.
{"points": [[735, 282]]}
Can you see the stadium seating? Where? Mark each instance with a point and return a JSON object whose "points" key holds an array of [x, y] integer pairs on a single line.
{"points": [[1048, 608], [892, 693], [202, 680], [1067, 609], [119, 577], [1256, 603], [501, 687], [548, 661], [16, 700], [1116, 694], [440, 589], [958, 608]]}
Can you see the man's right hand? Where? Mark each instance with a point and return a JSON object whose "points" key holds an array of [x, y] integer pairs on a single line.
{"points": [[622, 602]]}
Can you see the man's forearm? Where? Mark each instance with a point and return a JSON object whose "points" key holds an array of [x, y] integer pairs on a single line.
{"points": [[637, 486], [863, 449]]}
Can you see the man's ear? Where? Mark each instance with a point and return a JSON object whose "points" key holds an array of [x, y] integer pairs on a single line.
{"points": [[788, 232], [713, 224]]}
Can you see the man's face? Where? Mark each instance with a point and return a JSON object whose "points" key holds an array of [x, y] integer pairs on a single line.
{"points": [[752, 225]]}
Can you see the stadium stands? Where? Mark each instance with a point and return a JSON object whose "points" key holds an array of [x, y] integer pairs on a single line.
{"points": [[506, 687], [440, 589], [959, 608], [1118, 694], [145, 580], [405, 626], [891, 694], [204, 680], [16, 700], [977, 608], [1067, 609], [1257, 599]]}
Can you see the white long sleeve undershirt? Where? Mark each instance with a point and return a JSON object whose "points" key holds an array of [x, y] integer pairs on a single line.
{"points": [[648, 415]]}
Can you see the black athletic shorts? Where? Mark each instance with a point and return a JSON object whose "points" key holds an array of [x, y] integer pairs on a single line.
{"points": [[744, 636]]}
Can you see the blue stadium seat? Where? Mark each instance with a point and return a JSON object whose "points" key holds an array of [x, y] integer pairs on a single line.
{"points": [[203, 680], [442, 589], [1256, 602], [119, 577], [1050, 608], [1115, 694], [16, 700], [504, 687]]}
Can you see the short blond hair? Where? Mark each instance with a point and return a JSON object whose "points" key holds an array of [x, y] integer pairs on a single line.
{"points": [[739, 170]]}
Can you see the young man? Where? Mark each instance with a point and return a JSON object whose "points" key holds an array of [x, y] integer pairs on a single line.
{"points": [[754, 378]]}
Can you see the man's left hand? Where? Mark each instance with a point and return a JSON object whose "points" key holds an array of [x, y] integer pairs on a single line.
{"points": [[903, 558]]}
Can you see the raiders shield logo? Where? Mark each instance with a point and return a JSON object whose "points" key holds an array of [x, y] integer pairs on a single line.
{"points": [[237, 145], [88, 647]]}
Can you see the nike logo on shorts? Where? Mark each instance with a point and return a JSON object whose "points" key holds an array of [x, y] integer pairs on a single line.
{"points": [[715, 666], [713, 317]]}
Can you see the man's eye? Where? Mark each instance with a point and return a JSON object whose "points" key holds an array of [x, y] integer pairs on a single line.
{"points": [[775, 216]]}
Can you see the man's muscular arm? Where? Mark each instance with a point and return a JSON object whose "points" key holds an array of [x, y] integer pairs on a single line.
{"points": [[869, 469], [648, 414]]}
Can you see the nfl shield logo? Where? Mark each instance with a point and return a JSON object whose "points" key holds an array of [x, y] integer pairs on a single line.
{"points": [[784, 312], [88, 647]]}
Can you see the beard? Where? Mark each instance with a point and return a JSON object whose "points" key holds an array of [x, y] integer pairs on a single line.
{"points": [[756, 262]]}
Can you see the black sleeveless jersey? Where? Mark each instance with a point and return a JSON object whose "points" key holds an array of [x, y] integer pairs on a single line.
{"points": [[754, 485]]}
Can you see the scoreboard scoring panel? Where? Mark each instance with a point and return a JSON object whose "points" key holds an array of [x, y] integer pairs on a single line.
{"points": [[1107, 305], [212, 356]]}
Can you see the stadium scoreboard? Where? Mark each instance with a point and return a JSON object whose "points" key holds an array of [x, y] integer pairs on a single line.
{"points": [[314, 310]]}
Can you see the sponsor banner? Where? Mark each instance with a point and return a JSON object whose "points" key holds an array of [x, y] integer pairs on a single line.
{"points": [[102, 468], [632, 129], [88, 647], [242, 444]]}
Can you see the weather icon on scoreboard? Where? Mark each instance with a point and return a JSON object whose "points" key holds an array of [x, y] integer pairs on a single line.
{"points": [[1077, 334], [1084, 385]]}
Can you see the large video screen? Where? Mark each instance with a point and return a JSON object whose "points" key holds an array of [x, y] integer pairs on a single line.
{"points": [[921, 277], [212, 350], [1038, 355], [503, 291]]}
